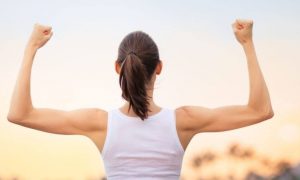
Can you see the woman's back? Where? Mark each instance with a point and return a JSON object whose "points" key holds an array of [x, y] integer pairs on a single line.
{"points": [[148, 149]]}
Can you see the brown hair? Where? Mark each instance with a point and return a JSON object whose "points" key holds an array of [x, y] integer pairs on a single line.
{"points": [[138, 57]]}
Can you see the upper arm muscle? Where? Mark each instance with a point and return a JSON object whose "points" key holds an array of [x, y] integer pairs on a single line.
{"points": [[80, 121], [201, 119]]}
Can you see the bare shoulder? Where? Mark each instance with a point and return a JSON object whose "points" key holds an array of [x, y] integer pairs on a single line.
{"points": [[89, 120], [190, 117], [97, 118]]}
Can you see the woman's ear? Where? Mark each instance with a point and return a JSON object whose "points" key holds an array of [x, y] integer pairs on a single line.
{"points": [[159, 67], [117, 67]]}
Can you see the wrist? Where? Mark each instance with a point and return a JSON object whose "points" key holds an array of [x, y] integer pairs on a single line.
{"points": [[248, 44], [30, 48]]}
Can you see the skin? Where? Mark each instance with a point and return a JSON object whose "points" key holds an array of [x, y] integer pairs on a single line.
{"points": [[92, 122]]}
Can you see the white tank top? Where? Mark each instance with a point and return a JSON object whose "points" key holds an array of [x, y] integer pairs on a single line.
{"points": [[142, 150]]}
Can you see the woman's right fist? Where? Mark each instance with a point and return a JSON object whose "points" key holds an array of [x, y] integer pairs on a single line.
{"points": [[40, 35], [243, 30]]}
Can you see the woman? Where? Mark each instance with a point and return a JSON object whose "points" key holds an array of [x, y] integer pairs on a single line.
{"points": [[141, 140]]}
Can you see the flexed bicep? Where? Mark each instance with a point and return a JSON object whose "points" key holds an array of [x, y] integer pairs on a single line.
{"points": [[202, 119], [77, 122]]}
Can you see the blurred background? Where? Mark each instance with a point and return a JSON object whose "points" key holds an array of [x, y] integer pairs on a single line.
{"points": [[203, 65]]}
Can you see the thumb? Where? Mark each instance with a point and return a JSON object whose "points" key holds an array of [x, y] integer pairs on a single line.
{"points": [[48, 36], [47, 30]]}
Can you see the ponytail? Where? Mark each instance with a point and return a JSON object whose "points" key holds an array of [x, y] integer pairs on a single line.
{"points": [[138, 57], [133, 80]]}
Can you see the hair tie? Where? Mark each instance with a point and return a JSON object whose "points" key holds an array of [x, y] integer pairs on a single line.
{"points": [[131, 52]]}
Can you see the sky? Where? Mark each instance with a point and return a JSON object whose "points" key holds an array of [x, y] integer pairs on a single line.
{"points": [[202, 65]]}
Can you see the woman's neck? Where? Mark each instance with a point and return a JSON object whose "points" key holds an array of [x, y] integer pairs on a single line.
{"points": [[153, 108]]}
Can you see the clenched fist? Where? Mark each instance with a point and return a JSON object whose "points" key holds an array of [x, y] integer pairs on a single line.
{"points": [[40, 35], [243, 30]]}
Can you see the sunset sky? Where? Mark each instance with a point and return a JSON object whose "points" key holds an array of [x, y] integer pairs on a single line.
{"points": [[202, 65]]}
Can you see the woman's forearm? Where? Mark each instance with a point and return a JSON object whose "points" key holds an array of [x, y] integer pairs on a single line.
{"points": [[259, 98], [21, 103]]}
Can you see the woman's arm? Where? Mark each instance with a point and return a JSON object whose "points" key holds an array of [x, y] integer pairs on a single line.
{"points": [[197, 119], [22, 111]]}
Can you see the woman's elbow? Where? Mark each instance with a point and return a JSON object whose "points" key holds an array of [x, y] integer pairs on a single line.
{"points": [[267, 115], [15, 117]]}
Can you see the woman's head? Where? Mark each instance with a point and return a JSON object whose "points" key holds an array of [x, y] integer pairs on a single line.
{"points": [[138, 58]]}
